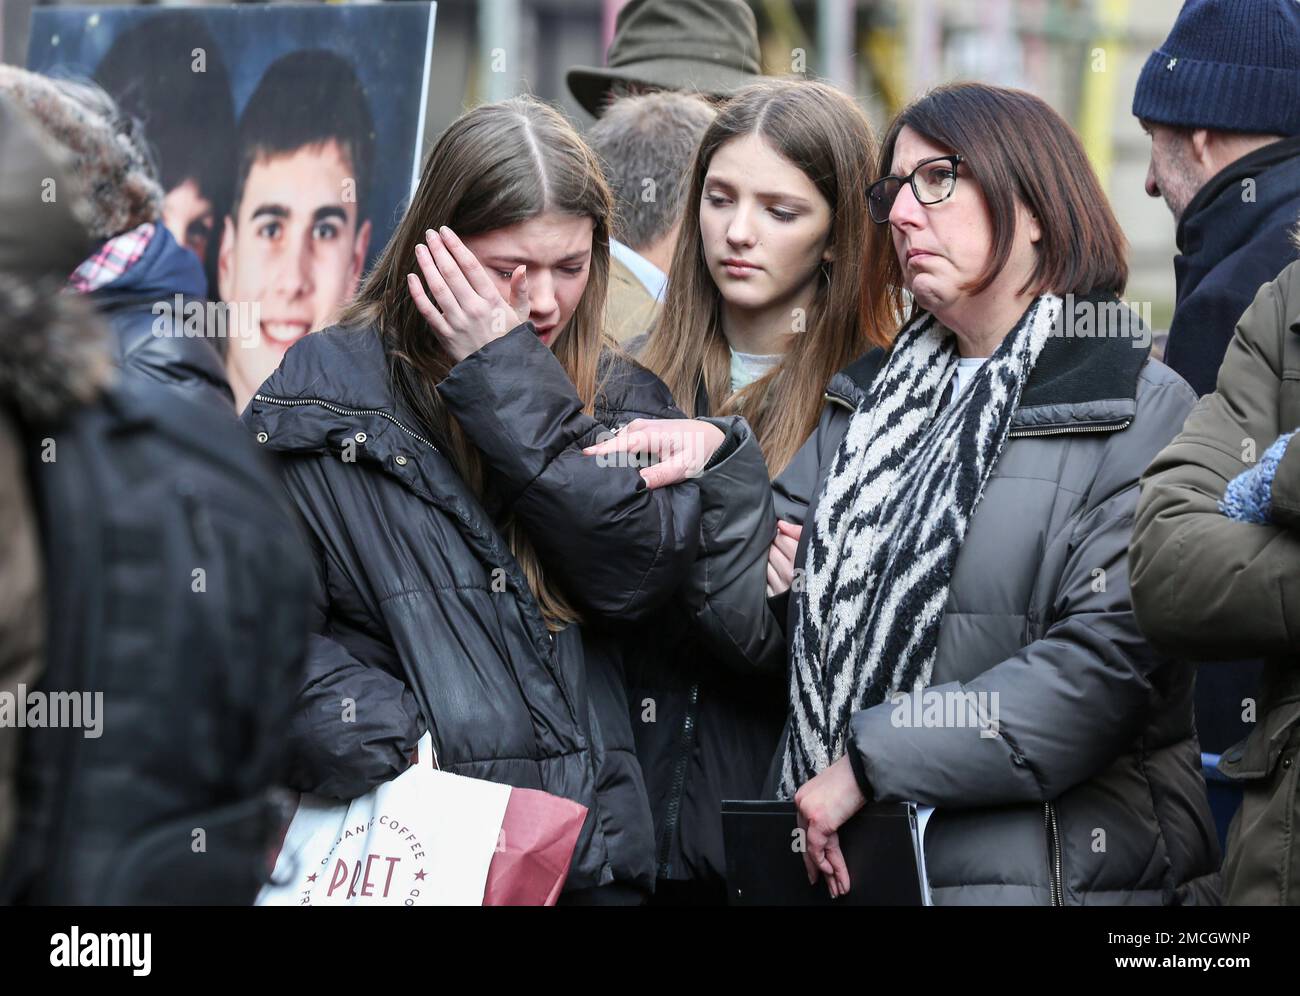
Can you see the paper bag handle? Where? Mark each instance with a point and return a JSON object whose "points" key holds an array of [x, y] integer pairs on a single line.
{"points": [[426, 753]]}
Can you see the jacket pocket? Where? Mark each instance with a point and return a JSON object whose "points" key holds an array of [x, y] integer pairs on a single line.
{"points": [[1256, 756], [1262, 866]]}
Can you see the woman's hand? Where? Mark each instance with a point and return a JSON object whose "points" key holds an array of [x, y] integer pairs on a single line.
{"points": [[780, 557], [824, 804], [680, 447], [467, 311]]}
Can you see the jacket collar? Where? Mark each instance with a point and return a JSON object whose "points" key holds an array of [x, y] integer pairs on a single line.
{"points": [[164, 269], [1085, 379], [649, 276], [341, 365], [331, 393], [1228, 182]]}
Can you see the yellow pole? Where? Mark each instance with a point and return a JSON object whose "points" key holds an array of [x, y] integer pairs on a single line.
{"points": [[1101, 67]]}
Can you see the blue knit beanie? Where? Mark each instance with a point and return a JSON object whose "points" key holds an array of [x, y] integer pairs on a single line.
{"points": [[1232, 65]]}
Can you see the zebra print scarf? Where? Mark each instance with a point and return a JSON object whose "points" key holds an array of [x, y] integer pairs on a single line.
{"points": [[888, 525]]}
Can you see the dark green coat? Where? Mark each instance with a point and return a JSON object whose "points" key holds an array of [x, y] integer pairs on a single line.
{"points": [[1211, 588]]}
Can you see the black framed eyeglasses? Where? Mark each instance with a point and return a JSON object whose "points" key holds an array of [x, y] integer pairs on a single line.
{"points": [[932, 181]]}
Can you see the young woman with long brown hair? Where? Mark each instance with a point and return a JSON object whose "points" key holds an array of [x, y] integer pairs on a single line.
{"points": [[466, 547], [765, 304]]}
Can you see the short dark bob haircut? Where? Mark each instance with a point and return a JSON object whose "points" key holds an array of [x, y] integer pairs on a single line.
{"points": [[1017, 149]]}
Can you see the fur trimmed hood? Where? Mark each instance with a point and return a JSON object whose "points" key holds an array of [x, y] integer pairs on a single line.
{"points": [[104, 149], [54, 351]]}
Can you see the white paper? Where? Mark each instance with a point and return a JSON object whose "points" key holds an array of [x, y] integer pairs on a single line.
{"points": [[923, 814]]}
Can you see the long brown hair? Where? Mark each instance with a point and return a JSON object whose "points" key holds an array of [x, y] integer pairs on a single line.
{"points": [[824, 133], [495, 166]]}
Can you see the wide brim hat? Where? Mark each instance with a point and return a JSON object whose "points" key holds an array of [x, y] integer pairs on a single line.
{"points": [[708, 47]]}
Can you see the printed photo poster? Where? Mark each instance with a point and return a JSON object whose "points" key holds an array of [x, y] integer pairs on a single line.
{"points": [[287, 140]]}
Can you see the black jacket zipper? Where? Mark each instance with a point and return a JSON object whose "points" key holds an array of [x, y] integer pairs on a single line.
{"points": [[835, 399], [284, 403], [1062, 430], [685, 743], [1053, 853]]}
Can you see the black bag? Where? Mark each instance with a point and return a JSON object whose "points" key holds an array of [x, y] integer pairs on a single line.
{"points": [[881, 846], [177, 586]]}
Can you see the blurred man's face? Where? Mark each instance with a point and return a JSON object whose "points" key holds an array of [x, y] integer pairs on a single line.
{"points": [[295, 250], [190, 217], [1173, 173]]}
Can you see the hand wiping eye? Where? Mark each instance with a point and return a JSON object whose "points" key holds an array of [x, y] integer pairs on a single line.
{"points": [[462, 305]]}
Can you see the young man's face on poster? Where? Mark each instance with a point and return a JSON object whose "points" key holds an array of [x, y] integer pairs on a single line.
{"points": [[296, 248]]}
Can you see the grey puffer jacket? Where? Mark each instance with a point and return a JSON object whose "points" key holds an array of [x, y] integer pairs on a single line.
{"points": [[1091, 793]]}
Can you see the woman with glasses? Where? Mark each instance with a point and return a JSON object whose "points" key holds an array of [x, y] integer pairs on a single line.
{"points": [[962, 635]]}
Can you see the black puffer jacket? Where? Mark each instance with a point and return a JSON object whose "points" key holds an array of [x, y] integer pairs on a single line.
{"points": [[706, 723], [706, 730], [423, 615], [166, 591]]}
